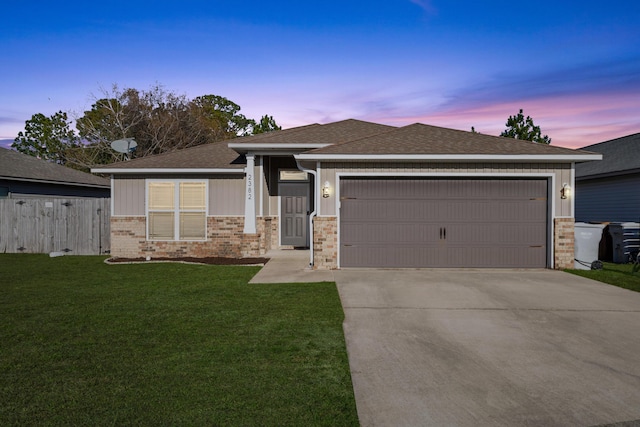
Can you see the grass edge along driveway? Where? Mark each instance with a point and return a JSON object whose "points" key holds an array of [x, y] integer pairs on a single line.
{"points": [[167, 344], [620, 275]]}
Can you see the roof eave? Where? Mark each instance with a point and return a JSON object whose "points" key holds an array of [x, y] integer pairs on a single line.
{"points": [[609, 174], [116, 171], [48, 181], [551, 158]]}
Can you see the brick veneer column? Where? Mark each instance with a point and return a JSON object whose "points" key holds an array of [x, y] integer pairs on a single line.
{"points": [[563, 243], [325, 243], [126, 235]]}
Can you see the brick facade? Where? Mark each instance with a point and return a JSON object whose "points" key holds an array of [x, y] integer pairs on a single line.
{"points": [[325, 243], [225, 238], [563, 241]]}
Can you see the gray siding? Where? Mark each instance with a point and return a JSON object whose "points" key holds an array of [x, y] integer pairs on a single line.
{"points": [[128, 196], [226, 195], [613, 199]]}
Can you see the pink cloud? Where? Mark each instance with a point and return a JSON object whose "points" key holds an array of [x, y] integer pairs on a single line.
{"points": [[571, 121]]}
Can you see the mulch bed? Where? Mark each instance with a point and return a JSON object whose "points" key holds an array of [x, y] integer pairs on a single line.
{"points": [[206, 260]]}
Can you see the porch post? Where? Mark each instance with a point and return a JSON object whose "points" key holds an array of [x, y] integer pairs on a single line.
{"points": [[250, 197]]}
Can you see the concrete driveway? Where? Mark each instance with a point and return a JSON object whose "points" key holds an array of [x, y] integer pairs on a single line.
{"points": [[490, 347]]}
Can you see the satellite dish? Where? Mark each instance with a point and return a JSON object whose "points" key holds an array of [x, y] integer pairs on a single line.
{"points": [[126, 145]]}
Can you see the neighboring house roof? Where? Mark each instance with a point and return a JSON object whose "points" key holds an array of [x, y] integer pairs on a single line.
{"points": [[432, 142], [311, 136], [620, 156], [22, 167], [214, 157]]}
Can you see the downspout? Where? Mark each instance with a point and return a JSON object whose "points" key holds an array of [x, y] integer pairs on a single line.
{"points": [[315, 207]]}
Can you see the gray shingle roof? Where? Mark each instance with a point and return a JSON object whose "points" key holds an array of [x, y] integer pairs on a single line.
{"points": [[350, 137], [425, 139], [620, 155], [216, 155], [18, 166], [330, 133]]}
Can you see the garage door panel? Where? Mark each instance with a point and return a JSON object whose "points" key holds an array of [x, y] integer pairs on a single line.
{"points": [[409, 256], [507, 256], [460, 235], [382, 210], [456, 234], [389, 234], [380, 256], [443, 223]]}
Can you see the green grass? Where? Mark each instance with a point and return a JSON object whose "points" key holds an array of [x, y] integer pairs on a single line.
{"points": [[614, 274], [85, 343]]}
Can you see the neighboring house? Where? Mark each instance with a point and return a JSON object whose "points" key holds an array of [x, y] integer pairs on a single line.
{"points": [[609, 190], [358, 194], [23, 176]]}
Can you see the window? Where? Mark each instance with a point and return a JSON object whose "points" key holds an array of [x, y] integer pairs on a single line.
{"points": [[293, 175], [177, 210], [4, 192]]}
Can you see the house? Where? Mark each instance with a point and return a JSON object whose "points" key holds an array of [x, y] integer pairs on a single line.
{"points": [[609, 190], [358, 194], [23, 176]]}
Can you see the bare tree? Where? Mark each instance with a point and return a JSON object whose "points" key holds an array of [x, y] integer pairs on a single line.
{"points": [[158, 120]]}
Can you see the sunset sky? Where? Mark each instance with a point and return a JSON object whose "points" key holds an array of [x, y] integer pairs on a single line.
{"points": [[574, 66]]}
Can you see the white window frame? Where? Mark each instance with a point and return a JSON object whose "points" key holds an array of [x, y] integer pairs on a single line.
{"points": [[176, 208]]}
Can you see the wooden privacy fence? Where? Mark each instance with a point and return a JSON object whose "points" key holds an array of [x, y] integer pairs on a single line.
{"points": [[39, 225]]}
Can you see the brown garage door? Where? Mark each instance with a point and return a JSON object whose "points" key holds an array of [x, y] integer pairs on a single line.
{"points": [[443, 223]]}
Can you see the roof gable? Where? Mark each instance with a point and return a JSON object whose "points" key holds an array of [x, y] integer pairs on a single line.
{"points": [[22, 167], [316, 134], [620, 155]]}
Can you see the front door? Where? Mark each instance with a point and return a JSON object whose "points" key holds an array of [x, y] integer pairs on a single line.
{"points": [[294, 212]]}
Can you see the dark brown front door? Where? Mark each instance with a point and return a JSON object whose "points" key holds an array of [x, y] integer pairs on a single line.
{"points": [[295, 214], [443, 223]]}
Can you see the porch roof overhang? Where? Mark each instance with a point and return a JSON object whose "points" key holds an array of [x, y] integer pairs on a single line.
{"points": [[273, 148]]}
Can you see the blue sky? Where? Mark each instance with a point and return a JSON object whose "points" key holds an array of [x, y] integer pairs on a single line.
{"points": [[574, 66]]}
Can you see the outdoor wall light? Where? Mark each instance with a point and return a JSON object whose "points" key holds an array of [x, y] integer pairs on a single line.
{"points": [[565, 191], [326, 189]]}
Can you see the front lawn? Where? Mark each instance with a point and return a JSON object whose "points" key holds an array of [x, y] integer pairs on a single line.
{"points": [[85, 343], [613, 274]]}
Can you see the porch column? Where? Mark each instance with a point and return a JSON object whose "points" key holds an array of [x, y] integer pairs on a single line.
{"points": [[250, 197]]}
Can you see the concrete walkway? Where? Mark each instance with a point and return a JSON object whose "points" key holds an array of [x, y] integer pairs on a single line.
{"points": [[290, 266], [490, 348]]}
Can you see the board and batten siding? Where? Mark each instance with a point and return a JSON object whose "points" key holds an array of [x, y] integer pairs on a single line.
{"points": [[128, 196], [612, 199], [561, 171], [226, 194]]}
